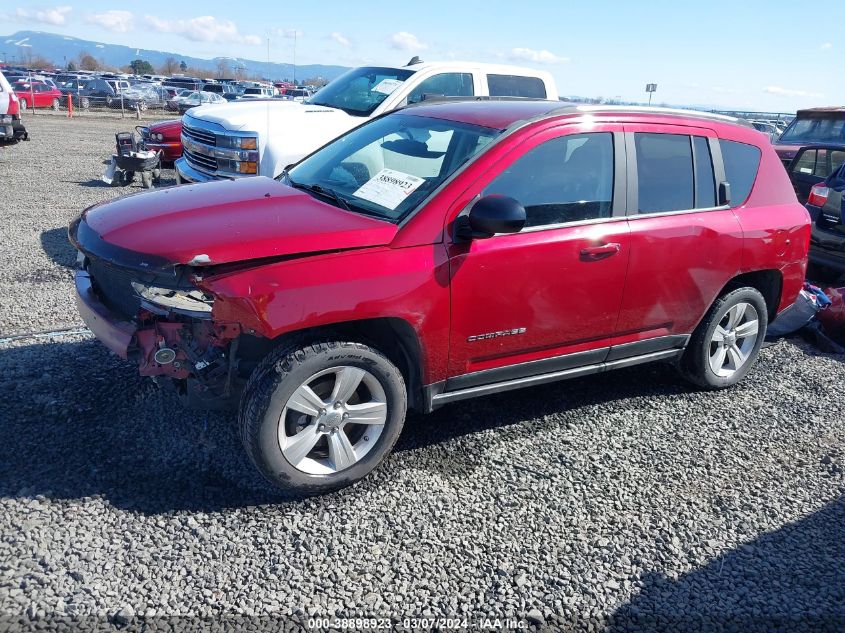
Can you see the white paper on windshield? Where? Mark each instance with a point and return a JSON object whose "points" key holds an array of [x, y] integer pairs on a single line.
{"points": [[386, 86], [389, 188]]}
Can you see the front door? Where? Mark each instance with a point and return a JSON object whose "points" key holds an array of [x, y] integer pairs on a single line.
{"points": [[549, 295]]}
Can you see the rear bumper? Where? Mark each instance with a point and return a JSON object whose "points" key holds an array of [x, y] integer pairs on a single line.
{"points": [[115, 334], [13, 131], [828, 259], [827, 248]]}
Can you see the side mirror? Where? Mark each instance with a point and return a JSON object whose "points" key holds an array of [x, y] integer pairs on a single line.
{"points": [[490, 215]]}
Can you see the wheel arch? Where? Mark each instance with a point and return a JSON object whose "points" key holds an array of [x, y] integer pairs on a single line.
{"points": [[392, 336], [768, 282]]}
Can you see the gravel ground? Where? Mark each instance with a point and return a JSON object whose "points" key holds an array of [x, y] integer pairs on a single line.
{"points": [[627, 502]]}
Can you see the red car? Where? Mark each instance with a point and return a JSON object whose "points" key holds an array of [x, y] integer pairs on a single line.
{"points": [[165, 136], [38, 95], [442, 252]]}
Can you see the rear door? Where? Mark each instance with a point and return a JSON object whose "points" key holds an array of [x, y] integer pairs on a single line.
{"points": [[684, 246], [811, 165], [43, 95]]}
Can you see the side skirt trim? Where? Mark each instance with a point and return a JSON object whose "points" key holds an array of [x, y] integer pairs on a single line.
{"points": [[436, 397]]}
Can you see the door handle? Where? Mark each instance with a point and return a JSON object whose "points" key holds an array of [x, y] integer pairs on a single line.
{"points": [[592, 253]]}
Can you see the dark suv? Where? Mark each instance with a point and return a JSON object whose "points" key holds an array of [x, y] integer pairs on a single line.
{"points": [[442, 252], [826, 205]]}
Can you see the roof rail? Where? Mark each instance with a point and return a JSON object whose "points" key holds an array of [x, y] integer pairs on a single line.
{"points": [[696, 114]]}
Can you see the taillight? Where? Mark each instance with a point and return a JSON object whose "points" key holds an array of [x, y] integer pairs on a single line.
{"points": [[14, 107], [818, 195]]}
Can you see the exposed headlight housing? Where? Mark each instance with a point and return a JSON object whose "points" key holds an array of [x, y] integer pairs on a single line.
{"points": [[194, 303], [237, 142], [157, 136], [238, 166]]}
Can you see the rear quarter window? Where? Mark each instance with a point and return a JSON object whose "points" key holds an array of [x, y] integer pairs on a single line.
{"points": [[742, 161], [516, 86]]}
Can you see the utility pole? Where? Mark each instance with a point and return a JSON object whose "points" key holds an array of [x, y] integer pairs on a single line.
{"points": [[294, 56]]}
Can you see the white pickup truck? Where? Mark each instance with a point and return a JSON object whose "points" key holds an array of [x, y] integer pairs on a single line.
{"points": [[263, 136]]}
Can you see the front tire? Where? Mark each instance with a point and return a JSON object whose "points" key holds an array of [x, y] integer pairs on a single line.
{"points": [[726, 343], [24, 104], [320, 417], [56, 105]]}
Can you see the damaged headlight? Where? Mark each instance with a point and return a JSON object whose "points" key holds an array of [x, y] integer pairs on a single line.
{"points": [[194, 303]]}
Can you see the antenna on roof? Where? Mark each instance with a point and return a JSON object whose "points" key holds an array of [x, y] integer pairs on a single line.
{"points": [[414, 60]]}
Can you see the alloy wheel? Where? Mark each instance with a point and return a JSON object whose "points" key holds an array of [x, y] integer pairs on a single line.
{"points": [[332, 420], [734, 339]]}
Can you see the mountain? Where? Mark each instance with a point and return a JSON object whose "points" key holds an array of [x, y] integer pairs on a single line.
{"points": [[61, 49]]}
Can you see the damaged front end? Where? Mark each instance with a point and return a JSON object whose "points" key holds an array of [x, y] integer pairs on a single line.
{"points": [[157, 317]]}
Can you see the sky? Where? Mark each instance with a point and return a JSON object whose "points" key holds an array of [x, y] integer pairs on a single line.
{"points": [[717, 53]]}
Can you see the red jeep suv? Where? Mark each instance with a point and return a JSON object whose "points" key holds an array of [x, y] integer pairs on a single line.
{"points": [[441, 252]]}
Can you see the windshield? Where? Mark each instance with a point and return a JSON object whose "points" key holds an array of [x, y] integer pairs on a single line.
{"points": [[388, 167], [815, 130], [360, 91]]}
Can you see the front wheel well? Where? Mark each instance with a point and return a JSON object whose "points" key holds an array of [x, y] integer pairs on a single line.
{"points": [[768, 282], [393, 337]]}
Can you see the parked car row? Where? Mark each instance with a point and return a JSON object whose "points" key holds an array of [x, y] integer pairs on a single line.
{"points": [[144, 92]]}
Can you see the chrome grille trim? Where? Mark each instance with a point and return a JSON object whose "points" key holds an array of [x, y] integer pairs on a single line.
{"points": [[198, 161], [199, 135]]}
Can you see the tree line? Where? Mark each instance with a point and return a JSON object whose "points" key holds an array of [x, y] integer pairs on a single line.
{"points": [[170, 66]]}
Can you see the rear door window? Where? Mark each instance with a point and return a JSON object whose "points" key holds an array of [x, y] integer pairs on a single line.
{"points": [[665, 180], [741, 164], [516, 86]]}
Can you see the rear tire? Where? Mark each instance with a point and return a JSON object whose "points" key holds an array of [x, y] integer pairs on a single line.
{"points": [[319, 417], [85, 103], [56, 105], [726, 343], [24, 104]]}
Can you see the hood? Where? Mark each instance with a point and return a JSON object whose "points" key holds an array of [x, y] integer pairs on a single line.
{"points": [[168, 128], [223, 222], [243, 114]]}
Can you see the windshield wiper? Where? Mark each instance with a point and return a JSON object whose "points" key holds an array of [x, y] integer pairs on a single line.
{"points": [[321, 191]]}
